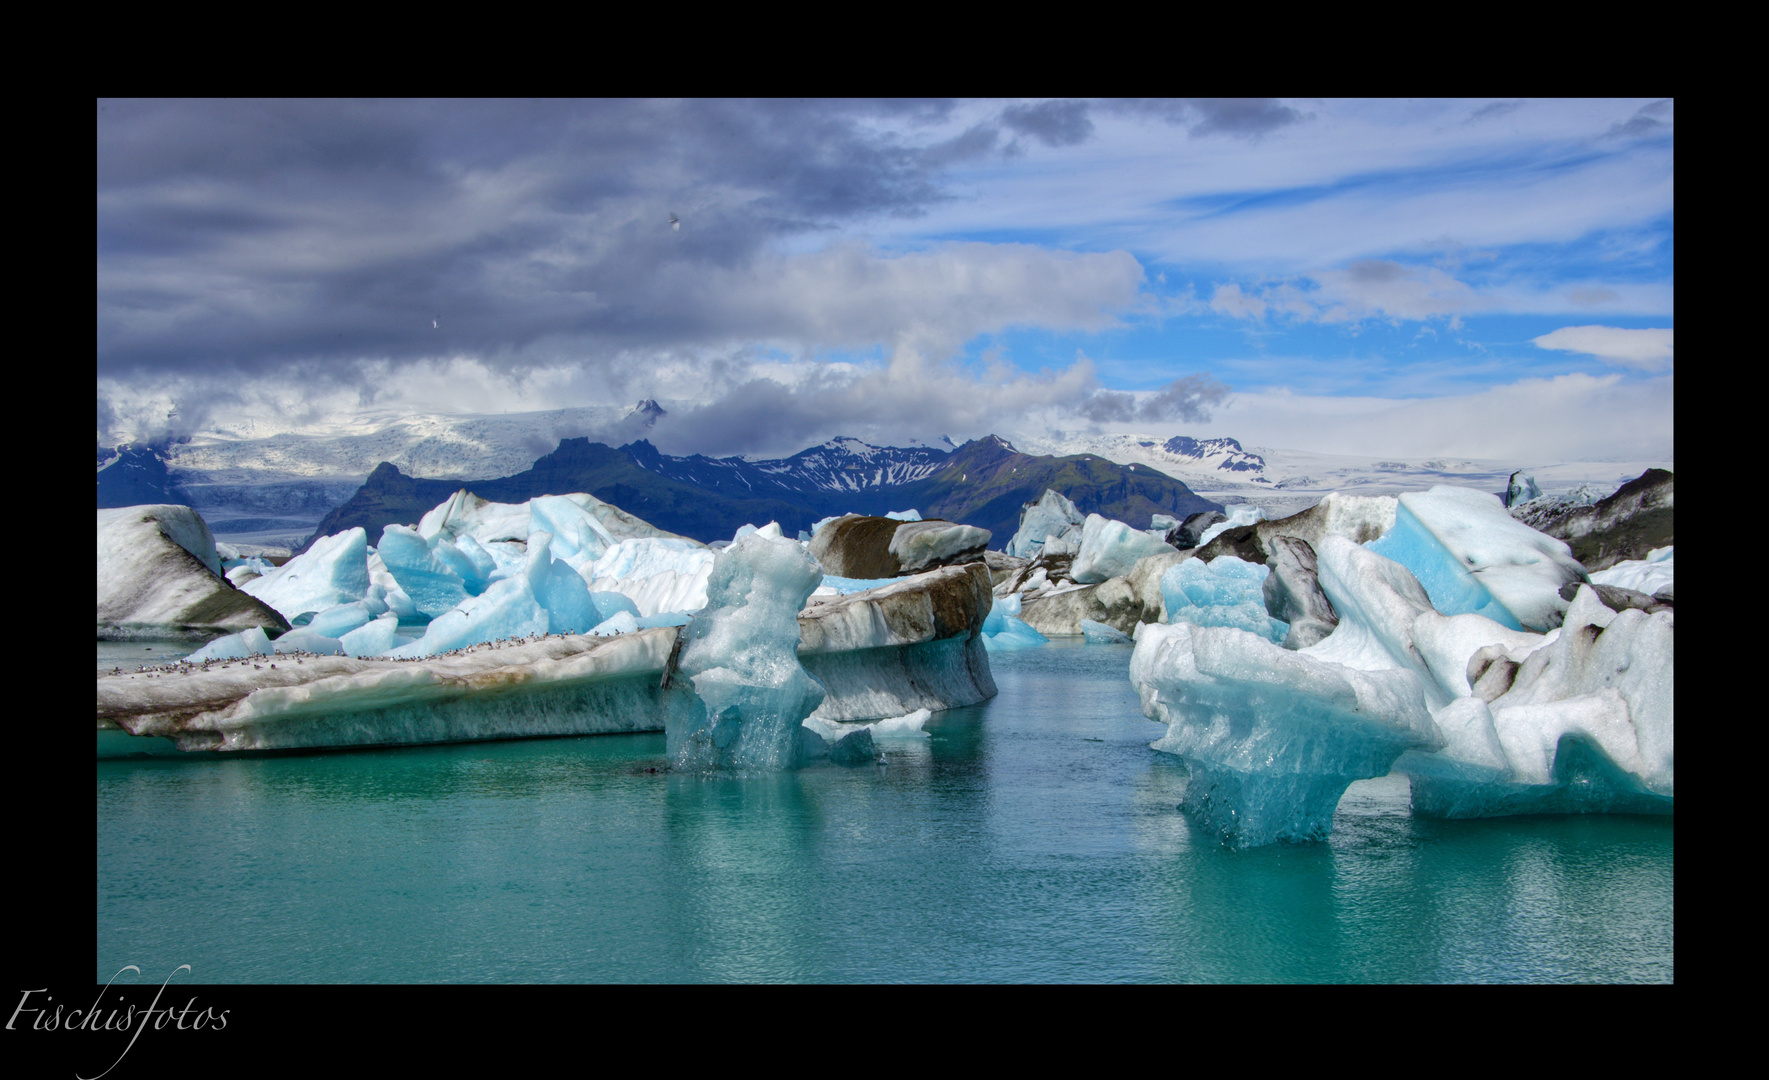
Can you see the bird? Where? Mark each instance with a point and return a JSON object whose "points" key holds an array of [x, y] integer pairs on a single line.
{"points": [[436, 324], [675, 223]]}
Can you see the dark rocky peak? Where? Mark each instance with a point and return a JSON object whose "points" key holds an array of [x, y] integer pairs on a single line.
{"points": [[648, 412]]}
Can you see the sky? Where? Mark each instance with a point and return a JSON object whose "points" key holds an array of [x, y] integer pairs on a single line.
{"points": [[1480, 278]]}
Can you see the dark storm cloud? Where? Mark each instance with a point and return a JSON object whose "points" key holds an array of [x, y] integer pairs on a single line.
{"points": [[1190, 399], [247, 235]]}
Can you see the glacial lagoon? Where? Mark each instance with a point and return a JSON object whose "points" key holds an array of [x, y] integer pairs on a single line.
{"points": [[1032, 838]]}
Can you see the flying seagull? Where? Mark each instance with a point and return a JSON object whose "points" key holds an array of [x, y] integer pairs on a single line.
{"points": [[436, 323], [675, 223]]}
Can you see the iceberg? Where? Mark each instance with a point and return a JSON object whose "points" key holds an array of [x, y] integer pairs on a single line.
{"points": [[372, 638], [159, 574], [737, 694], [253, 642], [917, 643], [1271, 738], [657, 575], [1583, 723], [1004, 629], [334, 570], [1238, 517], [578, 538], [890, 728], [1472, 556], [1650, 575], [1111, 549], [1051, 516], [1098, 633], [1224, 591]]}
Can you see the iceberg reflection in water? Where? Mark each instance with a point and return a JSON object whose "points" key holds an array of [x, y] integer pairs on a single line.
{"points": [[1006, 846]]}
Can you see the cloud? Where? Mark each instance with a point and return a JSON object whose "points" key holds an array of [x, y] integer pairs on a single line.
{"points": [[1368, 288], [1054, 123], [1573, 417], [1247, 117], [1494, 111], [1231, 300], [1189, 398], [1647, 120], [1646, 350]]}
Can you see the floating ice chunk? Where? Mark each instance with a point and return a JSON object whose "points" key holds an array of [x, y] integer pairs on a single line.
{"points": [[372, 638], [738, 694], [1386, 621], [904, 515], [428, 572], [548, 597], [1225, 591], [578, 538], [335, 570], [894, 727], [1051, 515], [301, 639], [395, 597], [466, 514], [252, 642], [1004, 629], [771, 530], [1271, 738], [335, 622], [239, 575], [657, 575], [1648, 575], [1098, 633], [1521, 489], [1110, 549], [1472, 556], [923, 545], [621, 622], [1238, 516]]}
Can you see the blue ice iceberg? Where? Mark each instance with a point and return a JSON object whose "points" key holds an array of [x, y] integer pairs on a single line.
{"points": [[1473, 557], [1225, 591], [1004, 629], [737, 697], [333, 571]]}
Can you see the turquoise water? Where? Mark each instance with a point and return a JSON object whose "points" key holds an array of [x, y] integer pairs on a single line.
{"points": [[1033, 838]]}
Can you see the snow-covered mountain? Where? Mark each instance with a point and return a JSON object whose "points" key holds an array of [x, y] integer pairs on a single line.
{"points": [[1281, 479], [840, 465]]}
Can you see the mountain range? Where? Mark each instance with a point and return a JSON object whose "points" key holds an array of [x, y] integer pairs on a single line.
{"points": [[985, 483]]}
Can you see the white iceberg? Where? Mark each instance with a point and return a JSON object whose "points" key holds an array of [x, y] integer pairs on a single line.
{"points": [[1649, 575], [1111, 549], [1271, 738]]}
